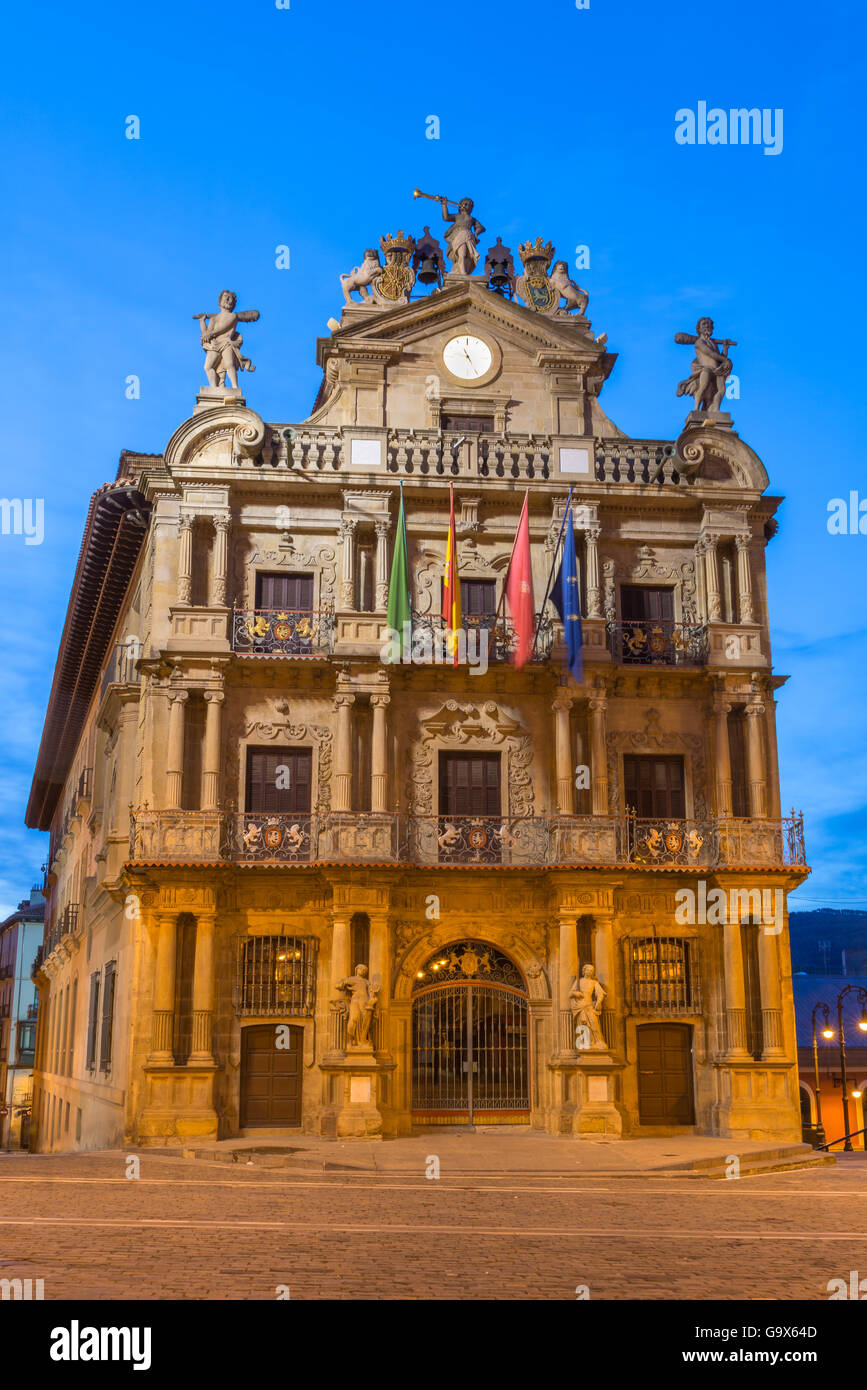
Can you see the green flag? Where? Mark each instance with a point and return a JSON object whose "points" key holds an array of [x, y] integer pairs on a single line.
{"points": [[399, 611]]}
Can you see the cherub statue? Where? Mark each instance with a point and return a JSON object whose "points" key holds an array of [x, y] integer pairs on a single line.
{"points": [[586, 996], [710, 368], [223, 358]]}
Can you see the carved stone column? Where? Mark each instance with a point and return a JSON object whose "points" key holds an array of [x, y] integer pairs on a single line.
{"points": [[221, 559], [745, 580], [567, 969], [561, 707], [175, 750], [164, 991], [769, 985], [379, 754], [382, 529], [348, 527], [379, 963], [711, 572], [185, 560], [203, 990], [591, 553], [722, 756], [599, 768], [736, 1013], [342, 776], [755, 712], [211, 765]]}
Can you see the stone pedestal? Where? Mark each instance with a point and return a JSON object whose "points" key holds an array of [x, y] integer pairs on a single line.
{"points": [[588, 1089], [209, 396], [179, 1105], [721, 419], [353, 1086]]}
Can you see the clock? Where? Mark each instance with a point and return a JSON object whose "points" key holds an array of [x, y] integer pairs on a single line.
{"points": [[467, 358]]}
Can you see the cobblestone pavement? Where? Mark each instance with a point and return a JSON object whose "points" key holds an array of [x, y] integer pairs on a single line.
{"points": [[197, 1230]]}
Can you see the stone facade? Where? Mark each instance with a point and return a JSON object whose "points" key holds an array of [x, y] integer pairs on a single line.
{"points": [[192, 897]]}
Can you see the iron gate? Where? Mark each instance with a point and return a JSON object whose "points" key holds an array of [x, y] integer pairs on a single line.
{"points": [[470, 1039]]}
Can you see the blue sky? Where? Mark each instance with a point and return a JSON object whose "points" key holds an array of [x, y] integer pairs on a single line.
{"points": [[306, 127]]}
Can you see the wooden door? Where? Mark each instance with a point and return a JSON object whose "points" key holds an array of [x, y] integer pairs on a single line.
{"points": [[665, 1074], [270, 1077], [642, 603]]}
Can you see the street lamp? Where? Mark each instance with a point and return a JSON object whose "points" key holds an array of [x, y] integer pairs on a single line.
{"points": [[827, 1033], [862, 1024]]}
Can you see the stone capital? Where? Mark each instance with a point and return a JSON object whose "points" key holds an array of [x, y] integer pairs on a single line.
{"points": [[215, 697]]}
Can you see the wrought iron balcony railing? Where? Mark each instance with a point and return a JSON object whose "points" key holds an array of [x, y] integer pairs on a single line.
{"points": [[348, 837], [66, 925], [650, 643], [430, 639], [283, 631]]}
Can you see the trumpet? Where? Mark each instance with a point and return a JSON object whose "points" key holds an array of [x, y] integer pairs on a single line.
{"points": [[436, 197]]}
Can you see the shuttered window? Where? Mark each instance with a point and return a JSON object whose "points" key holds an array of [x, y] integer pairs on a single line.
{"points": [[92, 1021], [293, 592], [654, 787], [469, 784], [291, 768], [642, 603], [107, 1028]]}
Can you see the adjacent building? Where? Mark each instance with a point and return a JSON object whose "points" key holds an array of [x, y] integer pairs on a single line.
{"points": [[20, 940], [247, 803]]}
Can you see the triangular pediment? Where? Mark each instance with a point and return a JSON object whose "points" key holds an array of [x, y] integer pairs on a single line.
{"points": [[467, 306]]}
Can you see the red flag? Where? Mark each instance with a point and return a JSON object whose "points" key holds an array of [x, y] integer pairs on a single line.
{"points": [[519, 589]]}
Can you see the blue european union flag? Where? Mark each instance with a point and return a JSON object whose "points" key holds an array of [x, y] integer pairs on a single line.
{"points": [[566, 597]]}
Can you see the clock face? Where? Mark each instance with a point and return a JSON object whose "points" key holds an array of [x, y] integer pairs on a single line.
{"points": [[467, 357]]}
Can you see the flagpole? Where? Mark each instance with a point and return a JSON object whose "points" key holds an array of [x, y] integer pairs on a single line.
{"points": [[551, 573], [406, 553]]}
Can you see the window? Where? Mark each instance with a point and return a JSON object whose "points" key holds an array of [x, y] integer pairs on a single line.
{"points": [[752, 989], [479, 602], [654, 787], [359, 939], [194, 745], [469, 784], [662, 974], [107, 1028], [290, 592], [738, 758], [276, 975], [185, 960], [641, 603], [92, 1021], [469, 424], [291, 768]]}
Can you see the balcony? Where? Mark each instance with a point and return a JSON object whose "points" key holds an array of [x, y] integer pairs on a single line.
{"points": [[66, 925], [282, 632], [348, 837], [651, 643], [430, 639]]}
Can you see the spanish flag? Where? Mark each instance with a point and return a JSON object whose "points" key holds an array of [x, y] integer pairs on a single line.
{"points": [[452, 586]]}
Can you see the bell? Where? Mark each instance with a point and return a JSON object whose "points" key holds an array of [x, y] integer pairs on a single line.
{"points": [[499, 275], [429, 273]]}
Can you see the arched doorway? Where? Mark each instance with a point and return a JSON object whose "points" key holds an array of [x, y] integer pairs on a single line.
{"points": [[470, 1038]]}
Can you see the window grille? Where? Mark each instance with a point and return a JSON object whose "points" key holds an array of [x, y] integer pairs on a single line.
{"points": [[663, 975], [276, 975]]}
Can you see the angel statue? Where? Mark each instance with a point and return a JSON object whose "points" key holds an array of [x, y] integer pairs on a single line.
{"points": [[222, 344]]}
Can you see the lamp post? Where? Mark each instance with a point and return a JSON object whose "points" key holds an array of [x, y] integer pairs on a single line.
{"points": [[827, 1033], [862, 995]]}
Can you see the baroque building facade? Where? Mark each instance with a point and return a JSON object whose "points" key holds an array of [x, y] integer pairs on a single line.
{"points": [[247, 803]]}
